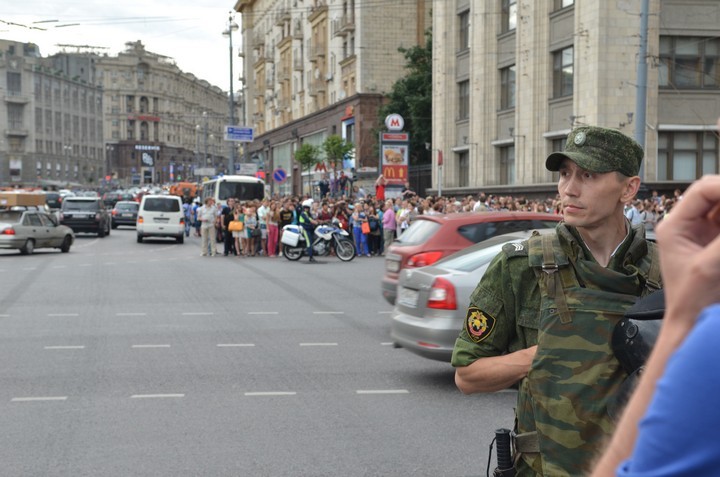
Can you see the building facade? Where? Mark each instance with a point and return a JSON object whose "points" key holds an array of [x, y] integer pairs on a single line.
{"points": [[512, 78], [51, 122], [314, 68], [160, 124]]}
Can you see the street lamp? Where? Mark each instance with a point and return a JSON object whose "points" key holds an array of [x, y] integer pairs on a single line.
{"points": [[205, 114], [232, 26]]}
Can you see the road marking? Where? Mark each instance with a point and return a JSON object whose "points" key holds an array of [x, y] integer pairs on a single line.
{"points": [[4, 316], [60, 266], [382, 391], [272, 393], [130, 314], [318, 344], [110, 263], [384, 312], [156, 396], [152, 346], [85, 265], [198, 313], [29, 269], [328, 312], [63, 314], [387, 343], [64, 347], [262, 312], [235, 345], [39, 398]]}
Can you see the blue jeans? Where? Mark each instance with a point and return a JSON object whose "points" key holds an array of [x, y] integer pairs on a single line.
{"points": [[360, 241]]}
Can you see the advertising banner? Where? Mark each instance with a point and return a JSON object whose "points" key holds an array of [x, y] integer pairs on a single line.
{"points": [[395, 163]]}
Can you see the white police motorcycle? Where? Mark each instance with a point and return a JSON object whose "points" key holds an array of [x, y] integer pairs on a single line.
{"points": [[294, 246]]}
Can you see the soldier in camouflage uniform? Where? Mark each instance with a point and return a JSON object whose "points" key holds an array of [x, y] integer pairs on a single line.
{"points": [[543, 313]]}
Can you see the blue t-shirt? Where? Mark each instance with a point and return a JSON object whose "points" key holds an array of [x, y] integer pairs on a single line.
{"points": [[678, 434]]}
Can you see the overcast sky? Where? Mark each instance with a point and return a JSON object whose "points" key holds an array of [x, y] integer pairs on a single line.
{"points": [[190, 31]]}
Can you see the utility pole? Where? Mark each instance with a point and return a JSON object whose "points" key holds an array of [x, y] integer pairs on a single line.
{"points": [[641, 95], [231, 26]]}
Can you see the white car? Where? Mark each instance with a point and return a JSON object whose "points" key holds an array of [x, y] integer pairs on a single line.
{"points": [[161, 216]]}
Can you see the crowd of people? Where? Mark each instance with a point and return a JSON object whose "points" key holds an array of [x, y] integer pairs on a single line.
{"points": [[366, 218]]}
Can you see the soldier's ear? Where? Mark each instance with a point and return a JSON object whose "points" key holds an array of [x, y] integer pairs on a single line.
{"points": [[630, 189]]}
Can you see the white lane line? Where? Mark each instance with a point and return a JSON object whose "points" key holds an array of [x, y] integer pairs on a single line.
{"points": [[130, 314], [235, 345], [4, 316], [198, 313], [384, 312], [382, 391], [64, 347], [156, 396], [85, 265], [110, 263], [328, 312], [29, 269], [152, 346], [262, 312], [60, 266], [63, 314], [272, 393], [387, 343], [318, 344], [39, 398]]}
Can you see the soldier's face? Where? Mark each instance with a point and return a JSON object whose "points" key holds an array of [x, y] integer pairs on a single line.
{"points": [[589, 199]]}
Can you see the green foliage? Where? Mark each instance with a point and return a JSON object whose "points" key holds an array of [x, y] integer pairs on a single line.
{"points": [[336, 148], [308, 156], [411, 97]]}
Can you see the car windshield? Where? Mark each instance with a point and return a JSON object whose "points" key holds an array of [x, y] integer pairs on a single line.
{"points": [[10, 216], [240, 190], [468, 262], [157, 204], [69, 204], [127, 207], [418, 232]]}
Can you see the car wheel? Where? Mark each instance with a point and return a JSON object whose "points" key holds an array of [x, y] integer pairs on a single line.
{"points": [[139, 238], [108, 228], [65, 247], [28, 248], [114, 226], [180, 239], [101, 232]]}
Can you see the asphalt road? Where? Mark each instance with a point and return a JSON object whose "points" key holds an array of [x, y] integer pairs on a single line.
{"points": [[124, 359]]}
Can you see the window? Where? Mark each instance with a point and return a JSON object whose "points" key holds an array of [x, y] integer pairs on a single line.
{"points": [[463, 168], [509, 15], [464, 31], [560, 4], [14, 83], [507, 165], [563, 72], [463, 100], [507, 87], [689, 62], [686, 156]]}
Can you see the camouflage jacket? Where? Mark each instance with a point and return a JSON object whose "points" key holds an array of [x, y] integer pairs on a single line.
{"points": [[569, 314]]}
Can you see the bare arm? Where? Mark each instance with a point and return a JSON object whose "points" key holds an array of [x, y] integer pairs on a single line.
{"points": [[494, 373]]}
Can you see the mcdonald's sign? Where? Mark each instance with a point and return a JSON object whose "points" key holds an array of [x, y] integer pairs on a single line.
{"points": [[395, 174]]}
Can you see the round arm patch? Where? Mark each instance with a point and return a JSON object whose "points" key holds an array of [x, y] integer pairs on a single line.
{"points": [[478, 325]]}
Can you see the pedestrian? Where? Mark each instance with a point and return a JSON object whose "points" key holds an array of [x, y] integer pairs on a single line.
{"points": [[207, 215], [380, 188], [228, 239], [251, 231], [543, 314], [262, 223], [196, 220], [389, 225], [358, 219], [238, 234], [669, 424], [272, 219]]}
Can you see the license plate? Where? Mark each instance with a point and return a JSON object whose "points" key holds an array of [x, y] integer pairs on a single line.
{"points": [[127, 215], [408, 297], [162, 220], [392, 266]]}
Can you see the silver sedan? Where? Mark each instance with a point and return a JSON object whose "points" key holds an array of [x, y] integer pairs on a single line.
{"points": [[432, 301], [28, 229]]}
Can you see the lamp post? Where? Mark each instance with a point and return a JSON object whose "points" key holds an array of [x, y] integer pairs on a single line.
{"points": [[232, 26], [205, 157]]}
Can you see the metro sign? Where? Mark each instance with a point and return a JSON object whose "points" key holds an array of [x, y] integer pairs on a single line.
{"points": [[394, 122]]}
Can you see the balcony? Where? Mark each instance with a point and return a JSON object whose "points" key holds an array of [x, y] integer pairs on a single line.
{"points": [[283, 104], [316, 10], [318, 51], [297, 31], [316, 87], [16, 130], [281, 16], [16, 97], [258, 39], [298, 64], [343, 25], [283, 75]]}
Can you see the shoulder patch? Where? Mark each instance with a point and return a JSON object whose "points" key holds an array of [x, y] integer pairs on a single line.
{"points": [[517, 249], [478, 324]]}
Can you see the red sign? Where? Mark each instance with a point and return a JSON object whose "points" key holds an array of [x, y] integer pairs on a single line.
{"points": [[440, 158], [320, 167], [404, 137], [396, 175]]}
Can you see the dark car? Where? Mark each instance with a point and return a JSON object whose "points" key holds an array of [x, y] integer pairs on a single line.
{"points": [[125, 212], [85, 214], [432, 237], [112, 198], [53, 200]]}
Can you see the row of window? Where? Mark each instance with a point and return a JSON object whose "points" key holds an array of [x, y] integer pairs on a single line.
{"points": [[62, 149], [63, 124]]}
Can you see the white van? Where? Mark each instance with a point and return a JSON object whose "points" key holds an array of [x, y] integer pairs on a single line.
{"points": [[161, 216]]}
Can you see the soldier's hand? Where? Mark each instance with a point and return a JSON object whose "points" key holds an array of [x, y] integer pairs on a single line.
{"points": [[689, 244]]}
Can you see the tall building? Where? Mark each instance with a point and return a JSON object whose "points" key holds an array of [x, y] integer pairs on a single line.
{"points": [[314, 68], [511, 79], [160, 124], [51, 122]]}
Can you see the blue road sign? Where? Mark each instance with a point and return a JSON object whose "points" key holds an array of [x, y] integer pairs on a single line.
{"points": [[279, 175], [237, 133]]}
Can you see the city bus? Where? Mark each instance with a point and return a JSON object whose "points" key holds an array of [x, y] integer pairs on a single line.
{"points": [[239, 187]]}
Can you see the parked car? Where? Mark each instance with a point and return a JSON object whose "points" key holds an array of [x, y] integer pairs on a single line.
{"points": [[432, 301], [27, 229], [432, 237], [125, 212], [161, 216], [85, 214]]}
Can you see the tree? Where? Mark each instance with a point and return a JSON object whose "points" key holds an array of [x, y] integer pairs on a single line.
{"points": [[336, 148], [411, 97], [308, 156]]}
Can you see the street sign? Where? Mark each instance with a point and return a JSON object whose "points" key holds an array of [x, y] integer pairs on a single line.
{"points": [[279, 175], [238, 133], [247, 169]]}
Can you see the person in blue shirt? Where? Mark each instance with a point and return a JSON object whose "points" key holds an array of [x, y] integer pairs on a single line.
{"points": [[669, 425]]}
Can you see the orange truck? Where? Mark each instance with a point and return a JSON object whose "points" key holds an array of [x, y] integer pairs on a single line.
{"points": [[187, 190]]}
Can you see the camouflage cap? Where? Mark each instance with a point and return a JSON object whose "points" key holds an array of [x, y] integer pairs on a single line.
{"points": [[597, 149]]}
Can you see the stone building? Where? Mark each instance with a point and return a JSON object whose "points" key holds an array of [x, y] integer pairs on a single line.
{"points": [[51, 122], [512, 78], [314, 68]]}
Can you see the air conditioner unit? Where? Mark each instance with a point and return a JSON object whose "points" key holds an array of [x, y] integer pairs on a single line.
{"points": [[329, 77]]}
